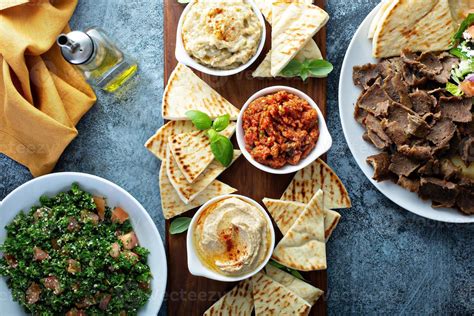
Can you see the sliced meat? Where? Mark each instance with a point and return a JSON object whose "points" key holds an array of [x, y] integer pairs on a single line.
{"points": [[430, 64], [416, 152], [412, 77], [431, 168], [396, 133], [398, 112], [448, 61], [422, 102], [413, 185], [376, 133], [360, 114], [465, 199], [372, 99], [364, 76], [401, 165], [448, 170], [457, 109], [417, 126], [443, 193], [397, 89], [466, 149], [442, 132], [380, 163]]}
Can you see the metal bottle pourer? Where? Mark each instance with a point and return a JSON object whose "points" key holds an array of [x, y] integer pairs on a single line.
{"points": [[76, 47]]}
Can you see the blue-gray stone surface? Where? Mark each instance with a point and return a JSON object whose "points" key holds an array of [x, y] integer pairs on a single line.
{"points": [[382, 259]]}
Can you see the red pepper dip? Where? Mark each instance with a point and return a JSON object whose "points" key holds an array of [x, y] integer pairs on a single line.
{"points": [[280, 128]]}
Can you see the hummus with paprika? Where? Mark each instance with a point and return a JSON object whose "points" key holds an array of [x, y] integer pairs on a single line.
{"points": [[232, 237], [221, 34]]}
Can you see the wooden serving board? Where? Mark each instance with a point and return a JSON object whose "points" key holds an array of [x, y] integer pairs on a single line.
{"points": [[190, 295]]}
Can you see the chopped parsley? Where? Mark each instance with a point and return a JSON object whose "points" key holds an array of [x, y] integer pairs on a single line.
{"points": [[70, 256]]}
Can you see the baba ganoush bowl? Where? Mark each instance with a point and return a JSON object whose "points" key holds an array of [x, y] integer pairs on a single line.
{"points": [[184, 57], [322, 145], [241, 230], [28, 194]]}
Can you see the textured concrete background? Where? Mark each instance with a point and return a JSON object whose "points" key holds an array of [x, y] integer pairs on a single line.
{"points": [[382, 259]]}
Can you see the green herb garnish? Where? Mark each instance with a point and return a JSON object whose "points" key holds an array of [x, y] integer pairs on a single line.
{"points": [[221, 146], [179, 225], [464, 25], [319, 68], [454, 89], [293, 272]]}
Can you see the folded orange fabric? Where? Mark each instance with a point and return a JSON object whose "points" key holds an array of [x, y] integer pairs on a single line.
{"points": [[42, 97]]}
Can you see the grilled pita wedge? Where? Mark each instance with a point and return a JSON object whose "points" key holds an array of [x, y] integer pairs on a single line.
{"points": [[304, 247], [172, 205], [317, 176], [12, 3], [271, 298], [158, 142], [239, 301], [419, 25], [460, 9], [304, 290], [384, 5], [192, 151], [186, 91], [297, 25], [285, 214], [189, 191]]}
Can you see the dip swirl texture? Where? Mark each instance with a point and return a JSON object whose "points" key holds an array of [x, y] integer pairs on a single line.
{"points": [[221, 34], [232, 237]]}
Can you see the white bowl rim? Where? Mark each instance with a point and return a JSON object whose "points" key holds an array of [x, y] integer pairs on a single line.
{"points": [[323, 144], [421, 208], [160, 247], [195, 265], [183, 57]]}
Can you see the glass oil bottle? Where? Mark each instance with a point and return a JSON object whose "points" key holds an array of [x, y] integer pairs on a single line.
{"points": [[104, 65]]}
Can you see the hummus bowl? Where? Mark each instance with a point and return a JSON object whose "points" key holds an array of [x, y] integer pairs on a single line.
{"points": [[230, 238], [183, 56], [323, 143]]}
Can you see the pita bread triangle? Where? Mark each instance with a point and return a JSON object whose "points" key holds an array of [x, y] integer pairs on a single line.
{"points": [[317, 176], [186, 91], [12, 3], [239, 301], [304, 290], [271, 298], [172, 205], [192, 151], [188, 191], [158, 142], [384, 5], [285, 214], [419, 25], [297, 25], [303, 247]]}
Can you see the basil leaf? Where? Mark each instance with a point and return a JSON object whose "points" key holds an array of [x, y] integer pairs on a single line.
{"points": [[453, 89], [292, 69], [212, 134], [320, 68], [222, 149], [179, 225], [201, 120], [276, 264], [464, 25], [304, 74], [297, 274], [221, 123]]}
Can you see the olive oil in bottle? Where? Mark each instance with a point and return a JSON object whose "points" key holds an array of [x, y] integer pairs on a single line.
{"points": [[104, 65]]}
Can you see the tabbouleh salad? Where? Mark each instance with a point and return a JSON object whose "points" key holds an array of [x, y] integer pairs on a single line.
{"points": [[73, 255]]}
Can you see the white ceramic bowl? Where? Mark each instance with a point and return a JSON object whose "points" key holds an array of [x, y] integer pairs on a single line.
{"points": [[183, 57], [359, 52], [196, 267], [28, 195], [322, 146]]}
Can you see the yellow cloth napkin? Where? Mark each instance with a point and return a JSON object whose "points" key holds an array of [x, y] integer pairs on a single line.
{"points": [[42, 97]]}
